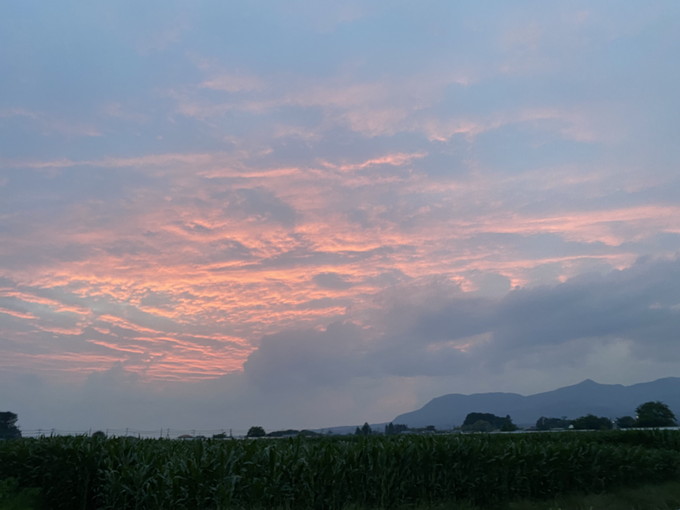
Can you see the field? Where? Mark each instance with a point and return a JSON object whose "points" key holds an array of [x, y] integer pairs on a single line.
{"points": [[374, 472]]}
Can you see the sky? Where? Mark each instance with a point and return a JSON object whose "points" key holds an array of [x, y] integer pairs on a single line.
{"points": [[312, 213]]}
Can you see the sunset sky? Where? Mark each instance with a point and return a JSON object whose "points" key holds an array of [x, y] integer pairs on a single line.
{"points": [[312, 213]]}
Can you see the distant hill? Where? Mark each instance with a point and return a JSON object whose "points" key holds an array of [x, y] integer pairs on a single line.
{"points": [[610, 400]]}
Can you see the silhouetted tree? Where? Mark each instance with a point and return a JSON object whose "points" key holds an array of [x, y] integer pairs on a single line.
{"points": [[654, 414], [486, 422], [625, 422], [544, 423], [365, 430], [507, 425], [592, 422], [395, 428], [256, 432], [478, 426], [8, 428], [284, 433]]}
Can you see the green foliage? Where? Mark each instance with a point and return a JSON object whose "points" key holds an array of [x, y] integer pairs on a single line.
{"points": [[373, 471], [654, 414], [13, 497], [256, 432], [592, 422], [664, 496]]}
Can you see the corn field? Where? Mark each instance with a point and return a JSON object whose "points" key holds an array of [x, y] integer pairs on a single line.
{"points": [[335, 472]]}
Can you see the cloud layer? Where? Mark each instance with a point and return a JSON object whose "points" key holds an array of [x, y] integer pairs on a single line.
{"points": [[321, 214]]}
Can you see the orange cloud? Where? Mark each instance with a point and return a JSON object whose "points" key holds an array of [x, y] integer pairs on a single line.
{"points": [[60, 331], [17, 314]]}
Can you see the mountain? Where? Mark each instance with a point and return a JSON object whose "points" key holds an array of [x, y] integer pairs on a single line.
{"points": [[587, 397]]}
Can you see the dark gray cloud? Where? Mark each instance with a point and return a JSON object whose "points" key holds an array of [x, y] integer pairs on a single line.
{"points": [[434, 332], [306, 358], [638, 303]]}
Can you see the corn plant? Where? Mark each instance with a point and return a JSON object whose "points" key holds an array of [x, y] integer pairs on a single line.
{"points": [[336, 472]]}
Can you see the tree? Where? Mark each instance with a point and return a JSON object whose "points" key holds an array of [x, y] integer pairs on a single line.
{"points": [[365, 430], [256, 432], [592, 422], [472, 418], [507, 425], [654, 414], [478, 426], [625, 422], [284, 433], [544, 423], [486, 422], [392, 429], [399, 428], [8, 428]]}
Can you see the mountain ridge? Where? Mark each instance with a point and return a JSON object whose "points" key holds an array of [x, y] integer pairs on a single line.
{"points": [[585, 397]]}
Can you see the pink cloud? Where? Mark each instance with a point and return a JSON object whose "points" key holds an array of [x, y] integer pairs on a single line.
{"points": [[396, 159], [60, 331], [54, 304], [17, 314], [362, 217], [592, 226]]}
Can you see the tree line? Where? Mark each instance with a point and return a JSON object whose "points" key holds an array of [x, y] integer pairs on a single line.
{"points": [[650, 414]]}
